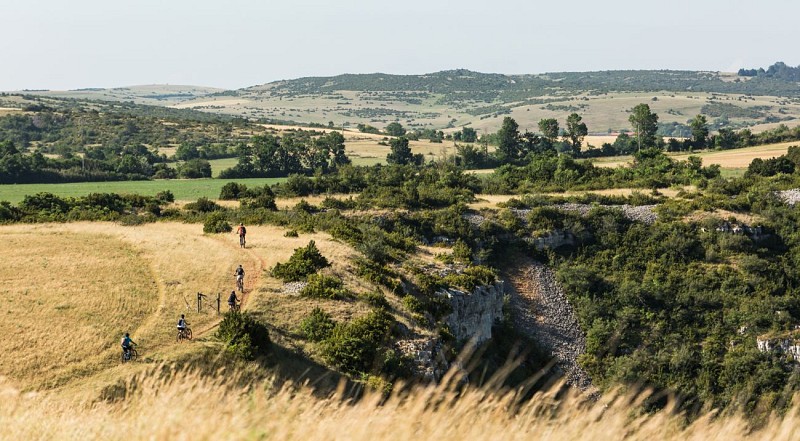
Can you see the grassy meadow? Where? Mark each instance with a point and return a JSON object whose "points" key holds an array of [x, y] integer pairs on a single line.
{"points": [[183, 189]]}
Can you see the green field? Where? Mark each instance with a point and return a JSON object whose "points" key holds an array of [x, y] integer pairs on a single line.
{"points": [[217, 165], [188, 189]]}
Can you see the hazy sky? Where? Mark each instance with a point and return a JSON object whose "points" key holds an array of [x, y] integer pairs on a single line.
{"points": [[60, 44]]}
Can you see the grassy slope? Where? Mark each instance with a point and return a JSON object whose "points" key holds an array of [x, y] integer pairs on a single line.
{"points": [[75, 288]]}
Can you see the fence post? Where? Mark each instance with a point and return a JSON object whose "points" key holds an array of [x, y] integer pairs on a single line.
{"points": [[218, 300], [199, 302]]}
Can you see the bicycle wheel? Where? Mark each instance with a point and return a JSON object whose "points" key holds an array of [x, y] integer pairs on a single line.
{"points": [[188, 333], [133, 355], [180, 336]]}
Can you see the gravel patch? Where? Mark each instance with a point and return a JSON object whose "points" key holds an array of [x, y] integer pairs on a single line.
{"points": [[294, 287], [790, 197], [542, 312], [638, 213]]}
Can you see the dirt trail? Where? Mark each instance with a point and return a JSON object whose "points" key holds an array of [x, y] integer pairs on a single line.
{"points": [[541, 311]]}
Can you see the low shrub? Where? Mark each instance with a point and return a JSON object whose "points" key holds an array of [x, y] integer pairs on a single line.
{"points": [[462, 253], [203, 205], [304, 262], [413, 304], [355, 347], [244, 336], [232, 191], [375, 299], [216, 223], [379, 275], [323, 287], [305, 207], [318, 325], [165, 197], [261, 201], [471, 278], [338, 204], [291, 233]]}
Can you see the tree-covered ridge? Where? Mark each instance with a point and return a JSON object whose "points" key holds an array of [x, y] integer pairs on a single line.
{"points": [[463, 85], [55, 140], [778, 70]]}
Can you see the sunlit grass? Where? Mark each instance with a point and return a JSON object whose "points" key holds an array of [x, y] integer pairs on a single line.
{"points": [[192, 406]]}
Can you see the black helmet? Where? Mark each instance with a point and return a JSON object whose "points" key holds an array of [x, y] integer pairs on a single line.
{"points": [[181, 315], [127, 335]]}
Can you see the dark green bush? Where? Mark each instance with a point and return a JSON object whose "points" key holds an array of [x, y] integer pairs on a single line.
{"points": [[375, 299], [165, 197], [44, 202], [355, 347], [471, 278], [8, 213], [291, 233], [261, 201], [305, 261], [413, 304], [323, 287], [318, 325], [379, 275], [232, 191], [462, 253], [305, 207], [339, 204], [194, 169], [244, 336], [203, 205], [216, 223]]}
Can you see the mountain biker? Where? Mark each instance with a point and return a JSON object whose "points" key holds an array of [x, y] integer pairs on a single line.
{"points": [[182, 324], [232, 300], [241, 231], [239, 273], [127, 343]]}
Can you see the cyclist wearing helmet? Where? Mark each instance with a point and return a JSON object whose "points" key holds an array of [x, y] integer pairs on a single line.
{"points": [[127, 343], [232, 300]]}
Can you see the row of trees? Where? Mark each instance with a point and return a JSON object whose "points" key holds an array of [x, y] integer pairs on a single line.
{"points": [[295, 152], [134, 162]]}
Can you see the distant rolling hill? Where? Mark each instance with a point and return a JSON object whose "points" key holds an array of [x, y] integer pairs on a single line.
{"points": [[153, 94], [455, 98]]}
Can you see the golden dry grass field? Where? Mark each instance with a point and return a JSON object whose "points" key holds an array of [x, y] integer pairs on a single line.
{"points": [[727, 159], [191, 406], [8, 111], [70, 291]]}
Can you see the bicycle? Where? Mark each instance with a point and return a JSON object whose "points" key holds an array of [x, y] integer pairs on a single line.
{"points": [[235, 307], [184, 334], [240, 283], [242, 241], [130, 355]]}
